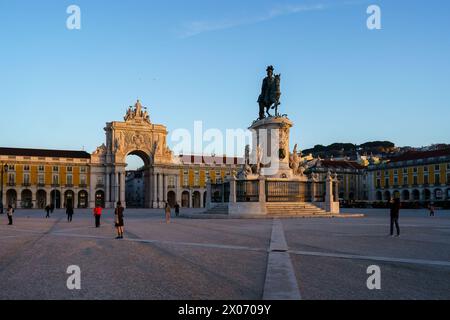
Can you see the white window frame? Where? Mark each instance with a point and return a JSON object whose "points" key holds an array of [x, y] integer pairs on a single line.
{"points": [[11, 177], [26, 178]]}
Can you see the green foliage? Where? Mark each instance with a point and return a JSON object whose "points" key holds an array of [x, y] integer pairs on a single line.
{"points": [[350, 149]]}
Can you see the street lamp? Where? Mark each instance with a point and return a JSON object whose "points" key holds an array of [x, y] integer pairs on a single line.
{"points": [[4, 168]]}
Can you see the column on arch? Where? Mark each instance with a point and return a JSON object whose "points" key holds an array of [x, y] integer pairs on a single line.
{"points": [[116, 187], [165, 187], [108, 187], [19, 198], [91, 196], [190, 198], [47, 197], [34, 198], [201, 198], [177, 189], [160, 190], [155, 190], [75, 199], [122, 188]]}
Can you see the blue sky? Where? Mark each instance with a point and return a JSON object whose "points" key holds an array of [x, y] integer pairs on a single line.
{"points": [[204, 60]]}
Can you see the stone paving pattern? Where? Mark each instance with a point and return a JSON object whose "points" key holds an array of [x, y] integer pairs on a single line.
{"points": [[222, 258]]}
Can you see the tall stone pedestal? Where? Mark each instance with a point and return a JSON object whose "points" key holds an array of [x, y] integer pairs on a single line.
{"points": [[271, 137]]}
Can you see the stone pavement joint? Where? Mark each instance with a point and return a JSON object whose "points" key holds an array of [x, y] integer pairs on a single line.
{"points": [[281, 282], [382, 259], [278, 241]]}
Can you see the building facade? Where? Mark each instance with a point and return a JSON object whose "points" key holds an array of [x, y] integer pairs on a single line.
{"points": [[35, 178], [352, 177], [412, 177]]}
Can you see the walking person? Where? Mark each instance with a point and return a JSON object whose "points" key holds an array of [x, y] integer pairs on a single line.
{"points": [[395, 213], [431, 208], [167, 210], [47, 210], [9, 213], [118, 213], [52, 208], [69, 212], [97, 215], [177, 209]]}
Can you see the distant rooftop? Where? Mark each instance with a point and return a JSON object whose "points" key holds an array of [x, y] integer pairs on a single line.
{"points": [[44, 153], [416, 155]]}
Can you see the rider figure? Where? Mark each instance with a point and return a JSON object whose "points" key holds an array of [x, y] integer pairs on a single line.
{"points": [[268, 95]]}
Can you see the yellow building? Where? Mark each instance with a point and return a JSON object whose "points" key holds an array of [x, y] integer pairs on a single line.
{"points": [[412, 177], [34, 178], [195, 171]]}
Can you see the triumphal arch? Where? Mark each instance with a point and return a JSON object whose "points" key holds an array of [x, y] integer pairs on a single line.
{"points": [[136, 135]]}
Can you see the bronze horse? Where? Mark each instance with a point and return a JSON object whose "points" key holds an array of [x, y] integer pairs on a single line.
{"points": [[270, 96]]}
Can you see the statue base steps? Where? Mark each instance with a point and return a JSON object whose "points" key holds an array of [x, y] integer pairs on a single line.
{"points": [[269, 210]]}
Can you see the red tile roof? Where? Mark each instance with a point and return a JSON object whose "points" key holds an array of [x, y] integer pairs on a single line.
{"points": [[416, 155], [341, 164], [44, 153]]}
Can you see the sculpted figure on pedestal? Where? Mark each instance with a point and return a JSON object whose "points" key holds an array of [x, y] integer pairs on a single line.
{"points": [[295, 161], [259, 158], [270, 94]]}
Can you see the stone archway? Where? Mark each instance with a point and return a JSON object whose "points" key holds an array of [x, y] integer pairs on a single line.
{"points": [[379, 196], [185, 199], [11, 198], [136, 135], [41, 199], [55, 198], [438, 194], [405, 195], [426, 194], [171, 198], [83, 199], [196, 199], [100, 198], [26, 199], [137, 181], [69, 199]]}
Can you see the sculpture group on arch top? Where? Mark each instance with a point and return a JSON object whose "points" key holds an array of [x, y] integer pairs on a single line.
{"points": [[135, 134]]}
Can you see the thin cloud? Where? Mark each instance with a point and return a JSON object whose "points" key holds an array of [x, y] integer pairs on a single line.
{"points": [[197, 27]]}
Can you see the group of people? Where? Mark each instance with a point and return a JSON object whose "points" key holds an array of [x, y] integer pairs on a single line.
{"points": [[118, 215], [394, 206]]}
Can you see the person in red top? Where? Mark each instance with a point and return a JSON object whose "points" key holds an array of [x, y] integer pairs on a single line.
{"points": [[97, 215]]}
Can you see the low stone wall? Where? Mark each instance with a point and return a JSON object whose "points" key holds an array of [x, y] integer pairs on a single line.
{"points": [[333, 207]]}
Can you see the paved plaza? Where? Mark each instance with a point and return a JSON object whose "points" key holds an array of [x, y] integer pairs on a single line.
{"points": [[319, 258]]}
